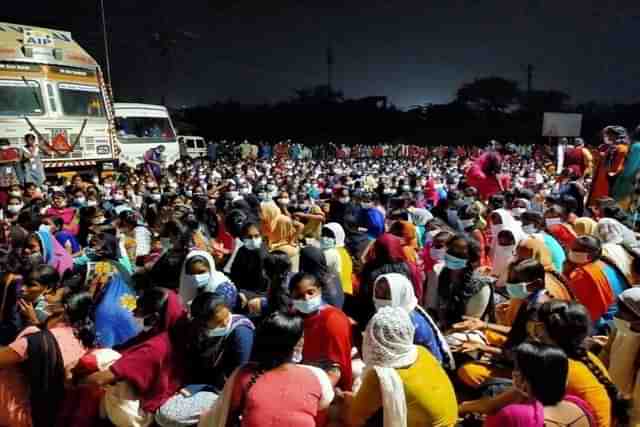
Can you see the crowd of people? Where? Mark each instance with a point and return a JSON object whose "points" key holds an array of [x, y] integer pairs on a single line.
{"points": [[354, 287]]}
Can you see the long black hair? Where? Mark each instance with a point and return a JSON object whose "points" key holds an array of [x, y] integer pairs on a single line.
{"points": [[545, 368], [78, 310], [568, 324], [274, 342]]}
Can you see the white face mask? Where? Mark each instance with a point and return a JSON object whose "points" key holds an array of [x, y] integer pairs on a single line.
{"points": [[327, 243], [438, 254], [80, 200], [530, 229], [344, 200], [220, 331], [552, 221], [200, 280], [253, 244], [14, 209], [308, 306]]}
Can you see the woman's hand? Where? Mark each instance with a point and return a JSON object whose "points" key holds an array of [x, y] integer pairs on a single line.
{"points": [[469, 324], [28, 312]]}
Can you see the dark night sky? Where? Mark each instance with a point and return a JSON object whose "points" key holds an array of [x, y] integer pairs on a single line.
{"points": [[411, 51]]}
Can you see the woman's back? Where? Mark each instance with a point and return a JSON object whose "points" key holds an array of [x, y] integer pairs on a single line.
{"points": [[431, 399], [581, 382], [289, 396], [570, 412]]}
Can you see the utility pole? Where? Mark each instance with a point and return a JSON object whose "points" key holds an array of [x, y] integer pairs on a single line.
{"points": [[106, 43]]}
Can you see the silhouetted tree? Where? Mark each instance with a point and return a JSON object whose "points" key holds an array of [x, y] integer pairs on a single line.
{"points": [[491, 94]]}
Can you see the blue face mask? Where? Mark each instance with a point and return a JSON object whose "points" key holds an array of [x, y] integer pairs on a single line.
{"points": [[327, 243], [517, 290], [221, 331], [308, 306], [201, 280], [454, 263], [252, 244]]}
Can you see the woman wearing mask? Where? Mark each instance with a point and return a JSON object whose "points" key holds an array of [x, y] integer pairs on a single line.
{"points": [[61, 210], [611, 235], [461, 291], [220, 343], [249, 392], [433, 262], [313, 261], [556, 221], [384, 256], [525, 285], [151, 368], [472, 223], [247, 270], [327, 329], [199, 275], [594, 283], [269, 213], [336, 254], [623, 187], [540, 376], [395, 290], [32, 374], [502, 249], [43, 244], [533, 225], [403, 384]]}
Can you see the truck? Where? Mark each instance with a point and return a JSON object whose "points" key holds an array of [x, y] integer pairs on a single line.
{"points": [[140, 127], [52, 88], [192, 146]]}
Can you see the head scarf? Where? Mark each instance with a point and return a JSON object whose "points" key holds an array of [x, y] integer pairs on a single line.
{"points": [[388, 344], [338, 232], [585, 226], [313, 261], [563, 234], [53, 253], [269, 212], [420, 217], [611, 233], [189, 290], [403, 296], [631, 299], [387, 249], [540, 252], [284, 232]]}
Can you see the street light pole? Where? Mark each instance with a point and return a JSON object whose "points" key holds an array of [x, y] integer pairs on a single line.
{"points": [[106, 43]]}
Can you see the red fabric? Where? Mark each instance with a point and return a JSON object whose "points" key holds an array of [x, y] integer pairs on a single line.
{"points": [[328, 337], [487, 185], [68, 215], [574, 160], [563, 234], [388, 249], [153, 364], [430, 192]]}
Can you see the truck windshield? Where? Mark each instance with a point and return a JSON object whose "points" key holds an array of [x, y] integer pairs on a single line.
{"points": [[81, 100], [144, 127], [18, 99]]}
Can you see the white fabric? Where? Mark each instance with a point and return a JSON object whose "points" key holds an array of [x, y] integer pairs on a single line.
{"points": [[237, 244], [388, 344], [420, 216], [338, 233], [403, 296], [334, 262], [121, 405], [500, 258], [188, 291], [610, 231]]}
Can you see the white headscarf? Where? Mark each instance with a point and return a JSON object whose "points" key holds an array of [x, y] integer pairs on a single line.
{"points": [[420, 216], [188, 290], [338, 232], [611, 232], [388, 344], [403, 296]]}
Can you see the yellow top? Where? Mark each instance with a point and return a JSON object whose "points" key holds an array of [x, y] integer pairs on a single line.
{"points": [[431, 399], [583, 384], [346, 271]]}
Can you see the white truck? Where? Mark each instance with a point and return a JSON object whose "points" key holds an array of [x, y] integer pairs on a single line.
{"points": [[140, 127], [52, 88]]}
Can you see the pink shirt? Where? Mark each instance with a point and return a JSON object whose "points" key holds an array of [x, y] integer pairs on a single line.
{"points": [[279, 398], [15, 409]]}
